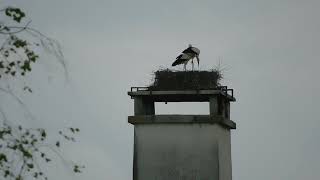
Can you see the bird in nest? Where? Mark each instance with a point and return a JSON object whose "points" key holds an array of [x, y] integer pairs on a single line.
{"points": [[188, 54]]}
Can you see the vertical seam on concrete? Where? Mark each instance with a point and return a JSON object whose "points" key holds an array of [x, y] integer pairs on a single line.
{"points": [[135, 168], [217, 146]]}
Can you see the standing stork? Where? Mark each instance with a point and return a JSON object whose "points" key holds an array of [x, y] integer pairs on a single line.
{"points": [[188, 54]]}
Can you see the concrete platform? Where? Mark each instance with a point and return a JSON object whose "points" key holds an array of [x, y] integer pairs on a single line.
{"points": [[182, 119], [180, 96]]}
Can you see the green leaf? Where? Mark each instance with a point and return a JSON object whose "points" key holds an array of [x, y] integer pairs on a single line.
{"points": [[30, 166], [76, 169], [43, 133], [6, 28], [19, 43], [26, 66], [14, 147], [8, 12], [6, 173], [12, 64], [3, 157], [27, 88], [16, 13]]}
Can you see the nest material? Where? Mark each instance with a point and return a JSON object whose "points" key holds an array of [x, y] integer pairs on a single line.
{"points": [[185, 80]]}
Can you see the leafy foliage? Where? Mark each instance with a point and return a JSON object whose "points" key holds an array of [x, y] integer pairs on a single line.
{"points": [[15, 13], [23, 149], [26, 145], [16, 56]]}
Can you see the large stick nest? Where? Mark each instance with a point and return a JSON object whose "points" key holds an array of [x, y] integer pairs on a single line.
{"points": [[167, 79]]}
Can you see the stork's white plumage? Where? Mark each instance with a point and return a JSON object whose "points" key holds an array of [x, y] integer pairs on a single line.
{"points": [[188, 54]]}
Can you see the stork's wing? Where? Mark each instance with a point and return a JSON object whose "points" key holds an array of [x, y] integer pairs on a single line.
{"points": [[182, 58], [188, 50], [179, 57]]}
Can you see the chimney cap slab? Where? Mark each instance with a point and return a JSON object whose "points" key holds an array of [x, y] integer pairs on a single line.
{"points": [[181, 95]]}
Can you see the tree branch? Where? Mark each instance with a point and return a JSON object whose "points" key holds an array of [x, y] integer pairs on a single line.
{"points": [[20, 29]]}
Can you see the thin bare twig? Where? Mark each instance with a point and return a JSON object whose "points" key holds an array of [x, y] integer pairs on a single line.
{"points": [[9, 91], [20, 29]]}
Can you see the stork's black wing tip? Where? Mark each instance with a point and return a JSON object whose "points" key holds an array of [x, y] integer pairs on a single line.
{"points": [[174, 63]]}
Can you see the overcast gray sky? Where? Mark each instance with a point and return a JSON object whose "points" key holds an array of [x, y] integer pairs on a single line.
{"points": [[269, 48]]}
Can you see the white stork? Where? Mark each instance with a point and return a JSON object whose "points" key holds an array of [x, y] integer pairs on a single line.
{"points": [[188, 54]]}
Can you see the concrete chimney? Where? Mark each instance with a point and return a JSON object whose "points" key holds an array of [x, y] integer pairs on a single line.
{"points": [[182, 147]]}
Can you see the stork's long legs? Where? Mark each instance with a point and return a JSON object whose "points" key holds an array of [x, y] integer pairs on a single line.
{"points": [[198, 60], [192, 64], [185, 66]]}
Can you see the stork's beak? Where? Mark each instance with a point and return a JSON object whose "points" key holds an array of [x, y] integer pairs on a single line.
{"points": [[198, 60]]}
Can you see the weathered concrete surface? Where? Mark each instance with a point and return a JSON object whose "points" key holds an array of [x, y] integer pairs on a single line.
{"points": [[182, 152], [143, 106], [181, 96], [182, 147], [185, 119]]}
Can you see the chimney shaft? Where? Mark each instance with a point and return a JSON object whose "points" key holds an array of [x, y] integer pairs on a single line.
{"points": [[186, 147]]}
